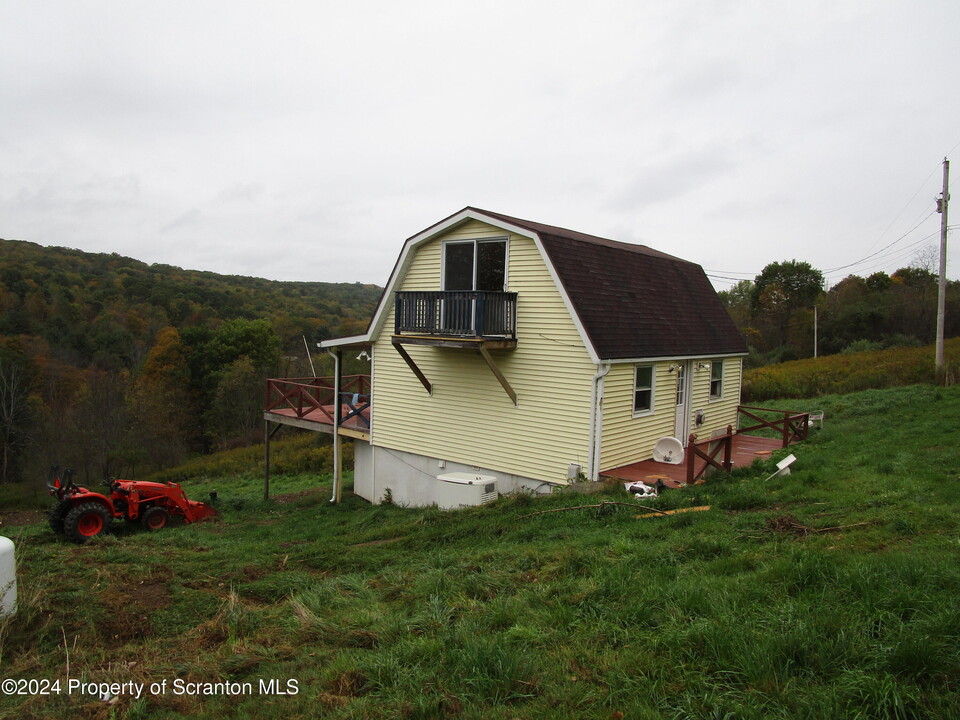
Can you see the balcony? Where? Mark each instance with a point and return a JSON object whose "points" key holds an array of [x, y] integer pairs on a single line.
{"points": [[456, 318]]}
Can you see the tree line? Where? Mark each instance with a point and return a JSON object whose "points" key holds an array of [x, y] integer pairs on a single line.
{"points": [[115, 367], [786, 312]]}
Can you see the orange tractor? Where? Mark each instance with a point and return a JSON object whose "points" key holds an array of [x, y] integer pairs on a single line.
{"points": [[81, 514]]}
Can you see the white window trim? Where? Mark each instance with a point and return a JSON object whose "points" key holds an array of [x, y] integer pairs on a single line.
{"points": [[653, 390], [711, 396], [475, 241]]}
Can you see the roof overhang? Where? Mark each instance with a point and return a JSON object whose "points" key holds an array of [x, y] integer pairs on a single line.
{"points": [[672, 358], [346, 343]]}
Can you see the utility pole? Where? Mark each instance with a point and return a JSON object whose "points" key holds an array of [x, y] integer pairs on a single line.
{"points": [[942, 202], [815, 313]]}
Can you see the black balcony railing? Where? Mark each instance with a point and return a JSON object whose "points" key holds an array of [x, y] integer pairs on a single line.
{"points": [[457, 313]]}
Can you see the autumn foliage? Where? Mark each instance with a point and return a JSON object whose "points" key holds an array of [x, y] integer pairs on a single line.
{"points": [[116, 367]]}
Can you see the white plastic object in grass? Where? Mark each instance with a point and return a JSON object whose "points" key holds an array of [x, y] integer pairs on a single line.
{"points": [[783, 467], [8, 578]]}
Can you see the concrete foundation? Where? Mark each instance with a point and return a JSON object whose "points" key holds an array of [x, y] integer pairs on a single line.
{"points": [[411, 480]]}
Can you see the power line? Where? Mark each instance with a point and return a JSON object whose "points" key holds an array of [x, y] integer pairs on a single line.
{"points": [[886, 247], [901, 253], [728, 275]]}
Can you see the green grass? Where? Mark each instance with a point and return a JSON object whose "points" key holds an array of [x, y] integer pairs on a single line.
{"points": [[743, 611]]}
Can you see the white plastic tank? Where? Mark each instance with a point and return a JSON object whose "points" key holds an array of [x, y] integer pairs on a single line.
{"points": [[8, 578]]}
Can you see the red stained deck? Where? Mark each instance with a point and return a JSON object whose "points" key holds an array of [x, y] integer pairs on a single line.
{"points": [[324, 416], [746, 449], [309, 403]]}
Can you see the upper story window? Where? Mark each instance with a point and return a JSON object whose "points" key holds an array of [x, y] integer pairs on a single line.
{"points": [[475, 265], [716, 379]]}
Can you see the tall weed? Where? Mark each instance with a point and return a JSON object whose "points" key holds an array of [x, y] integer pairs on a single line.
{"points": [[847, 373]]}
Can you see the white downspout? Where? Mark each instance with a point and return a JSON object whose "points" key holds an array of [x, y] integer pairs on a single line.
{"points": [[596, 420], [336, 419]]}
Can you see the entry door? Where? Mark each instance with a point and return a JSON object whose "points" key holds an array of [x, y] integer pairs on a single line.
{"points": [[683, 402]]}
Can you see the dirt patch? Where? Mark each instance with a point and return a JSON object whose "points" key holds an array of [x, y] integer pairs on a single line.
{"points": [[18, 518], [351, 683], [129, 604], [787, 524], [251, 573], [288, 498]]}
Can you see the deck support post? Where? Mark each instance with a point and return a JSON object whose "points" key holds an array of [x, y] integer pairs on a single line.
{"points": [[728, 449], [267, 435]]}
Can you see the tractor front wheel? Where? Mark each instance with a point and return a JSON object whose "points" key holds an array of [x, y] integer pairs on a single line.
{"points": [[86, 521], [155, 518]]}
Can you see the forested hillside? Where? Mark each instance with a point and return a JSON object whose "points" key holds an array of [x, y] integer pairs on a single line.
{"points": [[118, 367], [786, 313]]}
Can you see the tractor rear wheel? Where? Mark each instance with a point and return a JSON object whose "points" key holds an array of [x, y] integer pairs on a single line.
{"points": [[85, 521], [56, 514], [155, 518]]}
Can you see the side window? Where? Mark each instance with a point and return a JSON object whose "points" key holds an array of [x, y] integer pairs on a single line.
{"points": [[716, 379], [643, 389]]}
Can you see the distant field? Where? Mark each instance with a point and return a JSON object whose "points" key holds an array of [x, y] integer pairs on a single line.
{"points": [[828, 593], [835, 374]]}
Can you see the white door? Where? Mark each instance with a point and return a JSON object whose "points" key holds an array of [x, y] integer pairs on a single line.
{"points": [[683, 402]]}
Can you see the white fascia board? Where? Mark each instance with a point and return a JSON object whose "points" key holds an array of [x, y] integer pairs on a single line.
{"points": [[403, 264], [672, 358], [337, 342]]}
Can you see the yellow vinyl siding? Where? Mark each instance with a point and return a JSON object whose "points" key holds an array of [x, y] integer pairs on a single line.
{"points": [[469, 418], [628, 438], [721, 412]]}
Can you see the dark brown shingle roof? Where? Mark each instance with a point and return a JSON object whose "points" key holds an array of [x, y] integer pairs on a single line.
{"points": [[633, 301]]}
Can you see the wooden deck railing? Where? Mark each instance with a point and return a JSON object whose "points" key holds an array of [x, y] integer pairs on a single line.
{"points": [[315, 395], [708, 450], [791, 426]]}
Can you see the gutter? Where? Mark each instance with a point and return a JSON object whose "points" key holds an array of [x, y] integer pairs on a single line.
{"points": [[596, 419]]}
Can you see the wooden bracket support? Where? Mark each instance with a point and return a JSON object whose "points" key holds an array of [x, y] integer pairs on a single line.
{"points": [[485, 354], [413, 366]]}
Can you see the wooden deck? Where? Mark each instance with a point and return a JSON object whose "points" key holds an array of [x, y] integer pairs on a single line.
{"points": [[320, 420], [746, 449], [309, 403]]}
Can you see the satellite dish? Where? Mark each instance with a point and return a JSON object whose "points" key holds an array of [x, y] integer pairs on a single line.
{"points": [[668, 450]]}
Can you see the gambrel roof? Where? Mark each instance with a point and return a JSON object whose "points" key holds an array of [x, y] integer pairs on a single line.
{"points": [[634, 301], [629, 301]]}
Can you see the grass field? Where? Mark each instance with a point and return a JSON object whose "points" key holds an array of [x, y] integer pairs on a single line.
{"points": [[828, 593], [847, 373]]}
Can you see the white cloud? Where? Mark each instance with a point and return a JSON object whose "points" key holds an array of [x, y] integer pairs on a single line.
{"points": [[307, 140]]}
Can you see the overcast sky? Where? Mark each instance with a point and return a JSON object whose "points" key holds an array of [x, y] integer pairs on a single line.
{"points": [[308, 140]]}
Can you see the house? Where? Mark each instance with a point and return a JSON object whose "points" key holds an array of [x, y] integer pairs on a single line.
{"points": [[531, 356]]}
